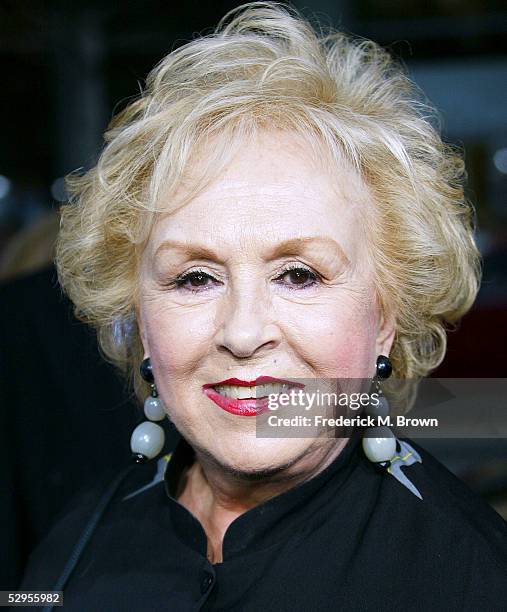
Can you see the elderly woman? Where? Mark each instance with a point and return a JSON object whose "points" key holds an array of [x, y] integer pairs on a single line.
{"points": [[275, 207]]}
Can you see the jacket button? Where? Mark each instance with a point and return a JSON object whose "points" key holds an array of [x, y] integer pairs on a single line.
{"points": [[206, 582]]}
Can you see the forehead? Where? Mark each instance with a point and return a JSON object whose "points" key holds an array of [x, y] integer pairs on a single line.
{"points": [[274, 189]]}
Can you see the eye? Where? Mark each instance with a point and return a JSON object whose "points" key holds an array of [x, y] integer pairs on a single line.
{"points": [[194, 281], [299, 277]]}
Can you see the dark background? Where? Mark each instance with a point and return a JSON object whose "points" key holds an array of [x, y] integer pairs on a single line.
{"points": [[67, 67]]}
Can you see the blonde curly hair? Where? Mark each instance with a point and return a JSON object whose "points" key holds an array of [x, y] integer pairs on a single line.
{"points": [[267, 66]]}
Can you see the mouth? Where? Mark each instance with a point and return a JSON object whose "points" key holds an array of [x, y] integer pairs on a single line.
{"points": [[247, 398]]}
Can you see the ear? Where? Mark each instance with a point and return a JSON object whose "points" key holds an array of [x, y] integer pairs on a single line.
{"points": [[142, 332], [385, 333]]}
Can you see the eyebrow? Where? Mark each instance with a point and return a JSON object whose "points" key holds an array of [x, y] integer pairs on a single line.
{"points": [[300, 246], [290, 247], [192, 251]]}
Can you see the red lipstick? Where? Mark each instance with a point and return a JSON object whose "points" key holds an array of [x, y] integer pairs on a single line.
{"points": [[244, 407]]}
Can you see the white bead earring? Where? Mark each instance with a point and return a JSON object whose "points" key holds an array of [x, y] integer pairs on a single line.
{"points": [[379, 443], [148, 438]]}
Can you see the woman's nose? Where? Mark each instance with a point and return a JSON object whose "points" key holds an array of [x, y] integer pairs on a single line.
{"points": [[247, 324]]}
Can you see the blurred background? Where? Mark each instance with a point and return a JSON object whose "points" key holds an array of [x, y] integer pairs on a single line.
{"points": [[67, 67]]}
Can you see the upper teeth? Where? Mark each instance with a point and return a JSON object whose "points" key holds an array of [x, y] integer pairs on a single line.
{"points": [[256, 392]]}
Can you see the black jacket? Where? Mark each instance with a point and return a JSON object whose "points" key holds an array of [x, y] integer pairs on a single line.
{"points": [[351, 538]]}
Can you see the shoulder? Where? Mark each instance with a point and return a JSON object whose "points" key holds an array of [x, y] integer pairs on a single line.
{"points": [[86, 511], [448, 545], [457, 513]]}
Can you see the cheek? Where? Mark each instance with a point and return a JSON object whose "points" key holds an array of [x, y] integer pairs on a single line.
{"points": [[177, 338], [337, 340], [352, 347]]}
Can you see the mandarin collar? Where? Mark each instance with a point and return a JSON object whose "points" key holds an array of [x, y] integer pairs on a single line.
{"points": [[269, 522]]}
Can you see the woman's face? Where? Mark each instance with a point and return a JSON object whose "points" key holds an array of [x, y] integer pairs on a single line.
{"points": [[273, 281]]}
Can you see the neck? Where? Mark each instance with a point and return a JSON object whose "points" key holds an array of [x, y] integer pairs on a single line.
{"points": [[216, 496]]}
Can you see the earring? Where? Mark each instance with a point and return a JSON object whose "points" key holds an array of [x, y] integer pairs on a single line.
{"points": [[379, 443], [148, 438]]}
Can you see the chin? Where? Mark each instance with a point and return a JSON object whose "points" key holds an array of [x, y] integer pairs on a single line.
{"points": [[255, 458]]}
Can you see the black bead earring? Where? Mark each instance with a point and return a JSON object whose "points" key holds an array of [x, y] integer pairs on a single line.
{"points": [[148, 438], [384, 367], [146, 370], [379, 443]]}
